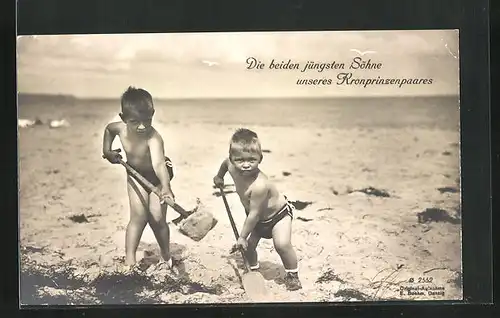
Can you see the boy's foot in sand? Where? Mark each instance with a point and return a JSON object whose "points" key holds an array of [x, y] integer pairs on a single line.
{"points": [[292, 281], [129, 269], [169, 267]]}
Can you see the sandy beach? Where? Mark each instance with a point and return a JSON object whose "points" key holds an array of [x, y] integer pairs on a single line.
{"points": [[353, 244]]}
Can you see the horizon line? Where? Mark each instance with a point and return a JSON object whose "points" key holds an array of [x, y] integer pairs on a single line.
{"points": [[70, 96]]}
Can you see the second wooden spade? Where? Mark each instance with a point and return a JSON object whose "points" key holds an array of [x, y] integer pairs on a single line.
{"points": [[253, 281]]}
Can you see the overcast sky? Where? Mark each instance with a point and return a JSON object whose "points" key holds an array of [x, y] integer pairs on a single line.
{"points": [[172, 65]]}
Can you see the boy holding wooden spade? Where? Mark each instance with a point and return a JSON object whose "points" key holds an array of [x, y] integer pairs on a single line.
{"points": [[143, 146], [269, 214]]}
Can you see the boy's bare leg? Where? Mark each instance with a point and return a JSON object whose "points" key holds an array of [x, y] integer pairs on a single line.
{"points": [[158, 222], [282, 234], [282, 239], [139, 203], [251, 252]]}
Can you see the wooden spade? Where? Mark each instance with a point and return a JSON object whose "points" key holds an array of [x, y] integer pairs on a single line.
{"points": [[253, 281], [195, 225]]}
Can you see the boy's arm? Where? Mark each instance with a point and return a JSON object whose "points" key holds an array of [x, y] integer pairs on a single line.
{"points": [[223, 168], [219, 177], [110, 132], [257, 197], [158, 161]]}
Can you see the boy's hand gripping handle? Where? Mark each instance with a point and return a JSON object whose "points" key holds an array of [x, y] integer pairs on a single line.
{"points": [[154, 189], [233, 225]]}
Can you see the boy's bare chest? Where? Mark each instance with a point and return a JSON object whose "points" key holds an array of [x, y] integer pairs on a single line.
{"points": [[244, 193], [135, 148], [242, 185]]}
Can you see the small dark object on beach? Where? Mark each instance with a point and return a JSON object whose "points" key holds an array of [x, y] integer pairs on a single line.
{"points": [[53, 171], [351, 294], [80, 218], [446, 153], [304, 219], [448, 189], [286, 173], [341, 189], [266, 150], [329, 276], [32, 249], [375, 192], [300, 205], [325, 209], [436, 215]]}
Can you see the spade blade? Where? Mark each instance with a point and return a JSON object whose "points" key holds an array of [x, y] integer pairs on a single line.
{"points": [[254, 285]]}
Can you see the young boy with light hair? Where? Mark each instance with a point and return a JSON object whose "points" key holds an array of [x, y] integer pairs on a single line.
{"points": [[269, 214]]}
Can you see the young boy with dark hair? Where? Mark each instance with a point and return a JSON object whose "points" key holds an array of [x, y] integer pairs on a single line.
{"points": [[144, 148]]}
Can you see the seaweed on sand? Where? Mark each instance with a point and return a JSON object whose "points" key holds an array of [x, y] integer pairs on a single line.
{"points": [[329, 276], [436, 215], [374, 192], [106, 288], [300, 205], [79, 218], [351, 294]]}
